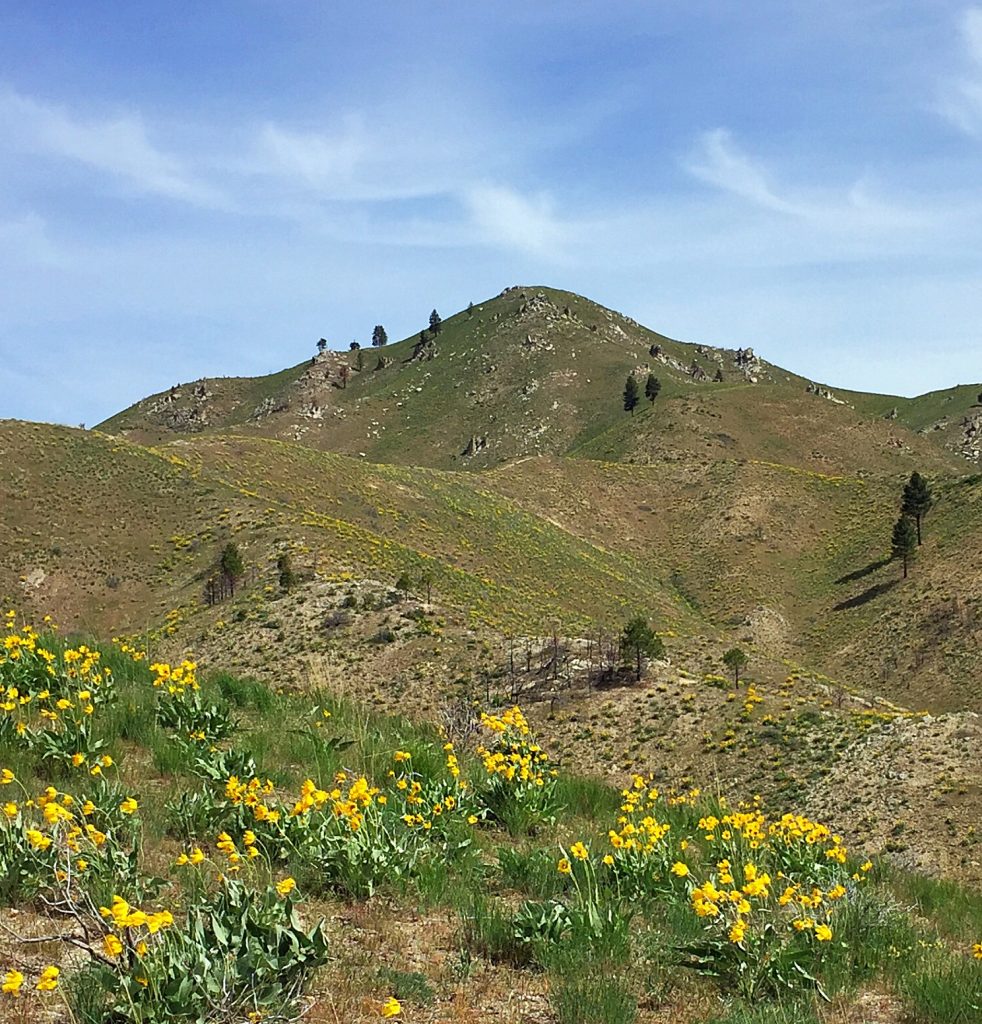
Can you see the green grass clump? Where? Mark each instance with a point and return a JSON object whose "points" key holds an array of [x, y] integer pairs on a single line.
{"points": [[944, 989], [594, 999]]}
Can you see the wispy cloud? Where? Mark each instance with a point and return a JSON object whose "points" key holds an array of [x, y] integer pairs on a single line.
{"points": [[505, 217], [960, 98], [325, 162], [719, 161], [118, 146], [344, 176]]}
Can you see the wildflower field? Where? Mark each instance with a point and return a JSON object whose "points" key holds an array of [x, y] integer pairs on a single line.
{"points": [[186, 845]]}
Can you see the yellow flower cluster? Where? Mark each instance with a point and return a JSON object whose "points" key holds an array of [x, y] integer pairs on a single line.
{"points": [[124, 917], [515, 757], [13, 981], [638, 831], [252, 794], [128, 649], [175, 679]]}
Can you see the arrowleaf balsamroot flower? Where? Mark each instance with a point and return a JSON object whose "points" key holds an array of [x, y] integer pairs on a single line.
{"points": [[48, 981], [12, 982]]}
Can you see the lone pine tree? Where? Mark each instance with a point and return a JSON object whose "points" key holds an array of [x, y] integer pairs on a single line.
{"points": [[379, 337], [231, 566], [652, 387], [288, 578], [639, 642], [903, 543], [735, 660], [435, 322], [917, 500], [631, 396]]}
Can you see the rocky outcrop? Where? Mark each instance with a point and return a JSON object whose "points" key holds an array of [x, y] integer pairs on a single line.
{"points": [[969, 443], [476, 444], [822, 392], [183, 409], [268, 407]]}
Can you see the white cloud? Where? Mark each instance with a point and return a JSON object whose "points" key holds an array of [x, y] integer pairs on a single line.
{"points": [[340, 174], [324, 162], [117, 146], [507, 218], [960, 99], [718, 161], [858, 208]]}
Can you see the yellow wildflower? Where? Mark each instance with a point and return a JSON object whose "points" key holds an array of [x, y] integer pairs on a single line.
{"points": [[48, 981], [391, 1007], [12, 982]]}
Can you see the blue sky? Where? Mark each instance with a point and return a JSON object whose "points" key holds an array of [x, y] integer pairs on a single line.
{"points": [[192, 189]]}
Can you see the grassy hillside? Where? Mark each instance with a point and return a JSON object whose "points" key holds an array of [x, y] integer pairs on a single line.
{"points": [[525, 517], [94, 528], [194, 846], [794, 561], [113, 535], [773, 423], [541, 371], [789, 560]]}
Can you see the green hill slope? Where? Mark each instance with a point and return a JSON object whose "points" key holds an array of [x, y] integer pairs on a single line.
{"points": [[538, 371], [789, 560], [112, 535]]}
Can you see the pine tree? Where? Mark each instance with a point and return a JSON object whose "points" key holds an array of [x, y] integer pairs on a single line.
{"points": [[404, 584], [379, 337], [652, 387], [288, 578], [426, 581], [917, 500], [231, 565], [322, 344], [903, 543], [638, 642], [735, 660], [631, 397], [435, 322], [354, 346]]}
